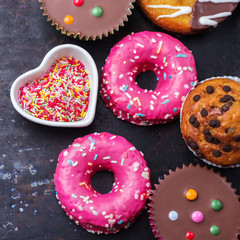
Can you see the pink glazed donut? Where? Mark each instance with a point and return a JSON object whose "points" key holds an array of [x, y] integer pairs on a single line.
{"points": [[168, 58], [102, 213]]}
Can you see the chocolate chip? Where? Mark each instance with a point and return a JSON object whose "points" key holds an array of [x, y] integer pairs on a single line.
{"points": [[215, 141], [226, 98], [193, 145], [212, 107], [209, 138], [214, 123], [206, 132], [192, 119], [216, 153], [226, 89], [227, 148], [225, 108], [227, 130], [196, 124], [237, 138], [196, 97], [209, 89], [204, 112], [200, 155]]}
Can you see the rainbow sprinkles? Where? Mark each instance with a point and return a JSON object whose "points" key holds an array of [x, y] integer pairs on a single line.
{"points": [[62, 94]]}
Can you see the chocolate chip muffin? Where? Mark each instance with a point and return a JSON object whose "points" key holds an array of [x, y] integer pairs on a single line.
{"points": [[210, 121]]}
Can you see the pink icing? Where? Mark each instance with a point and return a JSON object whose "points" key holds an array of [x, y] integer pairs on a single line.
{"points": [[168, 58], [102, 213]]}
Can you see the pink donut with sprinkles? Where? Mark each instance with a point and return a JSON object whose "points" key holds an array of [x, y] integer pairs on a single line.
{"points": [[102, 213], [168, 58]]}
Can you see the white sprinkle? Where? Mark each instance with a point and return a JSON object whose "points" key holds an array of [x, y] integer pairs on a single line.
{"points": [[180, 72], [73, 210], [74, 196], [152, 107], [145, 175], [132, 148], [186, 86], [159, 35], [167, 116], [154, 40], [134, 51], [114, 162], [76, 145], [178, 49], [94, 212], [121, 76], [136, 57], [80, 208], [164, 96], [65, 153], [111, 138], [75, 164], [131, 60], [154, 57], [148, 184], [104, 213], [128, 95], [84, 154], [107, 157], [80, 217], [122, 161], [153, 96], [124, 62], [140, 45]]}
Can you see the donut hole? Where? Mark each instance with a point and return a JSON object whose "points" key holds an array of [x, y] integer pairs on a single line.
{"points": [[102, 181], [147, 80]]}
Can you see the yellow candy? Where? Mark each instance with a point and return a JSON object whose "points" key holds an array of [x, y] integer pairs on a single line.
{"points": [[191, 194]]}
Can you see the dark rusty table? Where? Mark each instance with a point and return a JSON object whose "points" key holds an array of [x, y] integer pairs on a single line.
{"points": [[29, 152]]}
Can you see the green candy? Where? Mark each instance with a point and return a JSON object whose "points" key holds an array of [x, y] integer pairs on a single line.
{"points": [[97, 12], [216, 205], [214, 230]]}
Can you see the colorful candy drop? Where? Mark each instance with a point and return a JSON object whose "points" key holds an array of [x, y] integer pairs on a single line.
{"points": [[216, 205], [214, 230], [197, 216], [97, 12], [190, 235], [78, 3], [191, 194], [68, 19], [173, 216]]}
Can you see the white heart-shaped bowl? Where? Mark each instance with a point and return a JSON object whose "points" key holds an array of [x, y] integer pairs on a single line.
{"points": [[56, 53]]}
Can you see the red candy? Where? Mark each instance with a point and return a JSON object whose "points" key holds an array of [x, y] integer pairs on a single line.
{"points": [[190, 235], [78, 3]]}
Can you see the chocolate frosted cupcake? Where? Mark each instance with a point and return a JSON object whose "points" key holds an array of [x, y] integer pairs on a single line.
{"points": [[188, 16], [210, 121], [194, 203], [87, 19]]}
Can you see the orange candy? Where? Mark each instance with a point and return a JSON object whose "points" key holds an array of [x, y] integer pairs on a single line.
{"points": [[191, 194], [68, 19]]}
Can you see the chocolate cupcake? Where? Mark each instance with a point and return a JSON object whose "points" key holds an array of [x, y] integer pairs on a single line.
{"points": [[87, 19], [194, 203], [210, 121]]}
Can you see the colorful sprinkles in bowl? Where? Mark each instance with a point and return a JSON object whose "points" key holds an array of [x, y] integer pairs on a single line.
{"points": [[62, 94]]}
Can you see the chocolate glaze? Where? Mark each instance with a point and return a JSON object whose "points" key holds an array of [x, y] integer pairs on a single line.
{"points": [[85, 24], [170, 195], [201, 9]]}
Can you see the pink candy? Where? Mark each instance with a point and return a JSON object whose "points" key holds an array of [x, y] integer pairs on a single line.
{"points": [[197, 216]]}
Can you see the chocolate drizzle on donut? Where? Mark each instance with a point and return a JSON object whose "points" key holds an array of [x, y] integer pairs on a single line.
{"points": [[209, 13]]}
